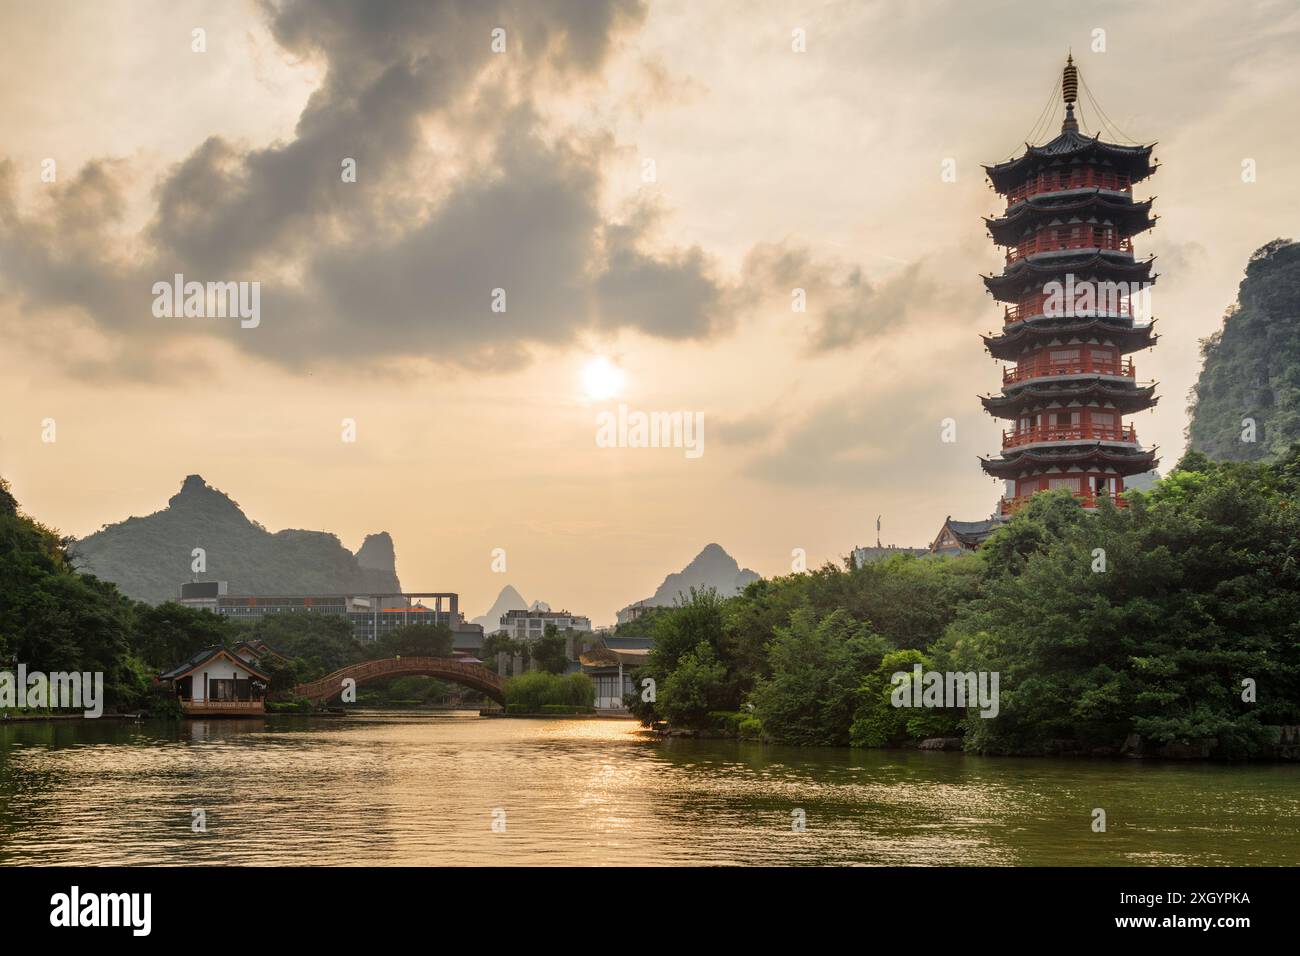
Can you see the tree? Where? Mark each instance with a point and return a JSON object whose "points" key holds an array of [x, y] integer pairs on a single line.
{"points": [[322, 643], [414, 640], [170, 633], [550, 651], [878, 723], [693, 690], [817, 669]]}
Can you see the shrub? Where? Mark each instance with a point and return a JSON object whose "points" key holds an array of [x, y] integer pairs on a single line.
{"points": [[530, 693]]}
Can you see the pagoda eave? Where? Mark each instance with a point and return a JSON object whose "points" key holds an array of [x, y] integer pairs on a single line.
{"points": [[1008, 344], [1133, 217], [1026, 274], [1094, 454], [1125, 401], [1071, 145]]}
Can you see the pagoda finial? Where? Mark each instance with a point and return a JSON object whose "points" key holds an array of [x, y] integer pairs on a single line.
{"points": [[1070, 93]]}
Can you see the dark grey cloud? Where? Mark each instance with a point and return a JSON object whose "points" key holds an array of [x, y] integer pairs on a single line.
{"points": [[405, 260]]}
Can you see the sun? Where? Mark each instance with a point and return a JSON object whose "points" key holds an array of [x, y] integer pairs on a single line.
{"points": [[601, 379]]}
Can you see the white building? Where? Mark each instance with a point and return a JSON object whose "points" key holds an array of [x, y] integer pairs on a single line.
{"points": [[530, 625], [214, 682]]}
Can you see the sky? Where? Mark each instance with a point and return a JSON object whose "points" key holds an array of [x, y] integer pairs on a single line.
{"points": [[645, 183]]}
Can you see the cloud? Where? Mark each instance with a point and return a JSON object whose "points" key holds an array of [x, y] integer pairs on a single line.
{"points": [[464, 185], [868, 436], [844, 306], [406, 258]]}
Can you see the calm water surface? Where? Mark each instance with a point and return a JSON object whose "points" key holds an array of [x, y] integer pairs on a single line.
{"points": [[406, 789]]}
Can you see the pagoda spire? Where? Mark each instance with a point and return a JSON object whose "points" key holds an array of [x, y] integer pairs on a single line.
{"points": [[1070, 93]]}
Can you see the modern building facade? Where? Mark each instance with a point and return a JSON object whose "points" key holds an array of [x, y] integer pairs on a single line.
{"points": [[530, 625], [371, 615], [1074, 295]]}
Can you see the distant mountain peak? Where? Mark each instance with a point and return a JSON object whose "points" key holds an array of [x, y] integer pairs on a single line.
{"points": [[150, 557], [713, 568], [195, 492], [377, 552], [508, 600]]}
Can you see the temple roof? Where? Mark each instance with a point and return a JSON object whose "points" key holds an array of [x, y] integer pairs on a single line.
{"points": [[207, 655], [1125, 400], [1024, 273], [1014, 463], [1008, 344], [1131, 217], [1071, 147], [972, 533]]}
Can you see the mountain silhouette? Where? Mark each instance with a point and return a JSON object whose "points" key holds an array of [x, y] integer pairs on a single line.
{"points": [[711, 568], [149, 558]]}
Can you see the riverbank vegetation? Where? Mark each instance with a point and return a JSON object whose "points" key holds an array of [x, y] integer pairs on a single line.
{"points": [[1175, 619], [540, 692], [1172, 624]]}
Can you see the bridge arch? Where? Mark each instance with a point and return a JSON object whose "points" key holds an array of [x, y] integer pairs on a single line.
{"points": [[474, 676]]}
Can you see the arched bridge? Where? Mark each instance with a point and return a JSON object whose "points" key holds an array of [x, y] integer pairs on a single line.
{"points": [[470, 675]]}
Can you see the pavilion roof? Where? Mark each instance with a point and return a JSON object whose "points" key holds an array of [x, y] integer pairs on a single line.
{"points": [[207, 655]]}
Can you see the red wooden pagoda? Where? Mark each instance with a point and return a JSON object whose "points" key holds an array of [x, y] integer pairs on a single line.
{"points": [[1072, 288]]}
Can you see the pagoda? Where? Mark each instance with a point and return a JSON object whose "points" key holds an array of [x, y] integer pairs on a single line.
{"points": [[1074, 298]]}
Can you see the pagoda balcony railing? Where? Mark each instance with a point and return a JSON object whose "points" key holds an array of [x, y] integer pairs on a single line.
{"points": [[1061, 182], [1008, 506], [1049, 433], [239, 708], [1023, 373], [1049, 241], [1029, 308]]}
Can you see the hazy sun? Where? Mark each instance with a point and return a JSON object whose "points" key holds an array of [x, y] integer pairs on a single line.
{"points": [[601, 378]]}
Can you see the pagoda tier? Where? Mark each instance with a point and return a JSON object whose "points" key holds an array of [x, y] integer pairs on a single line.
{"points": [[1052, 165], [1024, 277], [1026, 336], [1095, 211], [1014, 403]]}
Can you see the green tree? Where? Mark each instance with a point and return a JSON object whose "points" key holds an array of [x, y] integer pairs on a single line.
{"points": [[694, 688], [414, 640], [322, 643], [817, 669], [550, 651], [170, 633], [878, 723]]}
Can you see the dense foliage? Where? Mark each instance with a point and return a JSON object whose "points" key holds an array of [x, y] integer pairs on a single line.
{"points": [[539, 692], [1149, 620]]}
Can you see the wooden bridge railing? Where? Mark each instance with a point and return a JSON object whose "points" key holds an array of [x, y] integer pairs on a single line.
{"points": [[471, 675]]}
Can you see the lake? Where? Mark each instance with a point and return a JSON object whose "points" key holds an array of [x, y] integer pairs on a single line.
{"points": [[458, 789]]}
